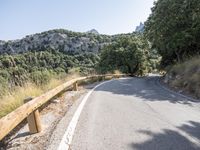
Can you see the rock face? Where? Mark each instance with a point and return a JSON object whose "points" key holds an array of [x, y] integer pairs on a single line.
{"points": [[60, 39], [140, 28], [93, 31]]}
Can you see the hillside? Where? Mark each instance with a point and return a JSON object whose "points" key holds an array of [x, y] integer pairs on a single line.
{"points": [[39, 57], [93, 31], [60, 39], [50, 53], [185, 77], [39, 62]]}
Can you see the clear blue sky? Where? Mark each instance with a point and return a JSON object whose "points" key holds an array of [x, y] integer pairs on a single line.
{"points": [[23, 17]]}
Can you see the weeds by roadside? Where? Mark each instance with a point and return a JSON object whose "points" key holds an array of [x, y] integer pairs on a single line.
{"points": [[12, 99], [186, 76]]}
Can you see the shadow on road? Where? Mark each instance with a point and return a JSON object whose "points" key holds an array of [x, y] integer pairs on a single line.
{"points": [[145, 88], [170, 139]]}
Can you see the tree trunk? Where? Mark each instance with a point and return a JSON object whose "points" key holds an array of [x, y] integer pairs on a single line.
{"points": [[178, 56], [132, 70]]}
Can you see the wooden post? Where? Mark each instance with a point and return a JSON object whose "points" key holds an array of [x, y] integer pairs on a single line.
{"points": [[75, 86], [33, 119], [103, 78]]}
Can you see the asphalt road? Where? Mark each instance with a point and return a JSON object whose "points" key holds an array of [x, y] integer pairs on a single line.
{"points": [[137, 114]]}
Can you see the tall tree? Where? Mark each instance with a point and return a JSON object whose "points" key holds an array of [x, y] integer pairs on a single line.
{"points": [[173, 28]]}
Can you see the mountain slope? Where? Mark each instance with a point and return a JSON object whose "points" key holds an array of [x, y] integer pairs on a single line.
{"points": [[93, 31], [64, 40]]}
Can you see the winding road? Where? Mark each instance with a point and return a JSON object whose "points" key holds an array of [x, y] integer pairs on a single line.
{"points": [[137, 114]]}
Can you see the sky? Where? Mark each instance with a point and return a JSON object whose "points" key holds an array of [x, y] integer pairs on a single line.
{"points": [[19, 18]]}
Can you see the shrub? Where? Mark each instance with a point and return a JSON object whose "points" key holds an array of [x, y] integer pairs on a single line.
{"points": [[3, 86], [40, 77], [186, 75]]}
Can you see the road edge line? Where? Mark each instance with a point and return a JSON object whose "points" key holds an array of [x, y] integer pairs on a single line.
{"points": [[68, 136]]}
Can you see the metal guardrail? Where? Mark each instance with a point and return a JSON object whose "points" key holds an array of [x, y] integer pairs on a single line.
{"points": [[30, 111]]}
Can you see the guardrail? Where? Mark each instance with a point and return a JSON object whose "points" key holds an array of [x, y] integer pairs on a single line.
{"points": [[30, 111]]}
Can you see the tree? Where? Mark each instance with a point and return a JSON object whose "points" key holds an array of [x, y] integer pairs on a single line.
{"points": [[173, 28], [128, 54]]}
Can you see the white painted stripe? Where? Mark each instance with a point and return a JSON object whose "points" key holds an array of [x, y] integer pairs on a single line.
{"points": [[67, 138]]}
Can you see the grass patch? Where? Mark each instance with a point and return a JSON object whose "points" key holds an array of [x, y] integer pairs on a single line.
{"points": [[14, 98], [10, 102]]}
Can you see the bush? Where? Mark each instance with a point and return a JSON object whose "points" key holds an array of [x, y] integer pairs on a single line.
{"points": [[129, 54], [3, 86], [40, 77]]}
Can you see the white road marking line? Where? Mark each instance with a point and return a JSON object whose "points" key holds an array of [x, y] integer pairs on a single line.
{"points": [[67, 138]]}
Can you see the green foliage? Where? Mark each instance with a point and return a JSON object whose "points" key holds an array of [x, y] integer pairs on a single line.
{"points": [[40, 77], [129, 54], [3, 86], [40, 66], [173, 28]]}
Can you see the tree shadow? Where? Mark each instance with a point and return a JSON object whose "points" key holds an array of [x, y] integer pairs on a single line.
{"points": [[192, 128], [170, 139], [145, 88], [23, 134]]}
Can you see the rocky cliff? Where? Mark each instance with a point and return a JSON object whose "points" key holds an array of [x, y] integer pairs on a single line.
{"points": [[93, 31], [60, 39], [140, 28]]}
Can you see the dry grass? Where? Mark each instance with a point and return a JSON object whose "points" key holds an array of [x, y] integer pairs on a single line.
{"points": [[14, 99], [187, 76], [10, 102]]}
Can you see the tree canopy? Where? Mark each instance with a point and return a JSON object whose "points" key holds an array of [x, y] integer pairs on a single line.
{"points": [[38, 66], [129, 54], [173, 28]]}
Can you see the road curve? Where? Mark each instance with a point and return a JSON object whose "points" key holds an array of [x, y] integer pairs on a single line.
{"points": [[137, 114]]}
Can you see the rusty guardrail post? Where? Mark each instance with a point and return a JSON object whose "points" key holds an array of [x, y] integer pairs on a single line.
{"points": [[75, 86], [33, 119]]}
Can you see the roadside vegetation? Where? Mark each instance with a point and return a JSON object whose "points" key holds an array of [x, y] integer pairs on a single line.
{"points": [[186, 76], [173, 29], [40, 67], [129, 54], [35, 72], [15, 96]]}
